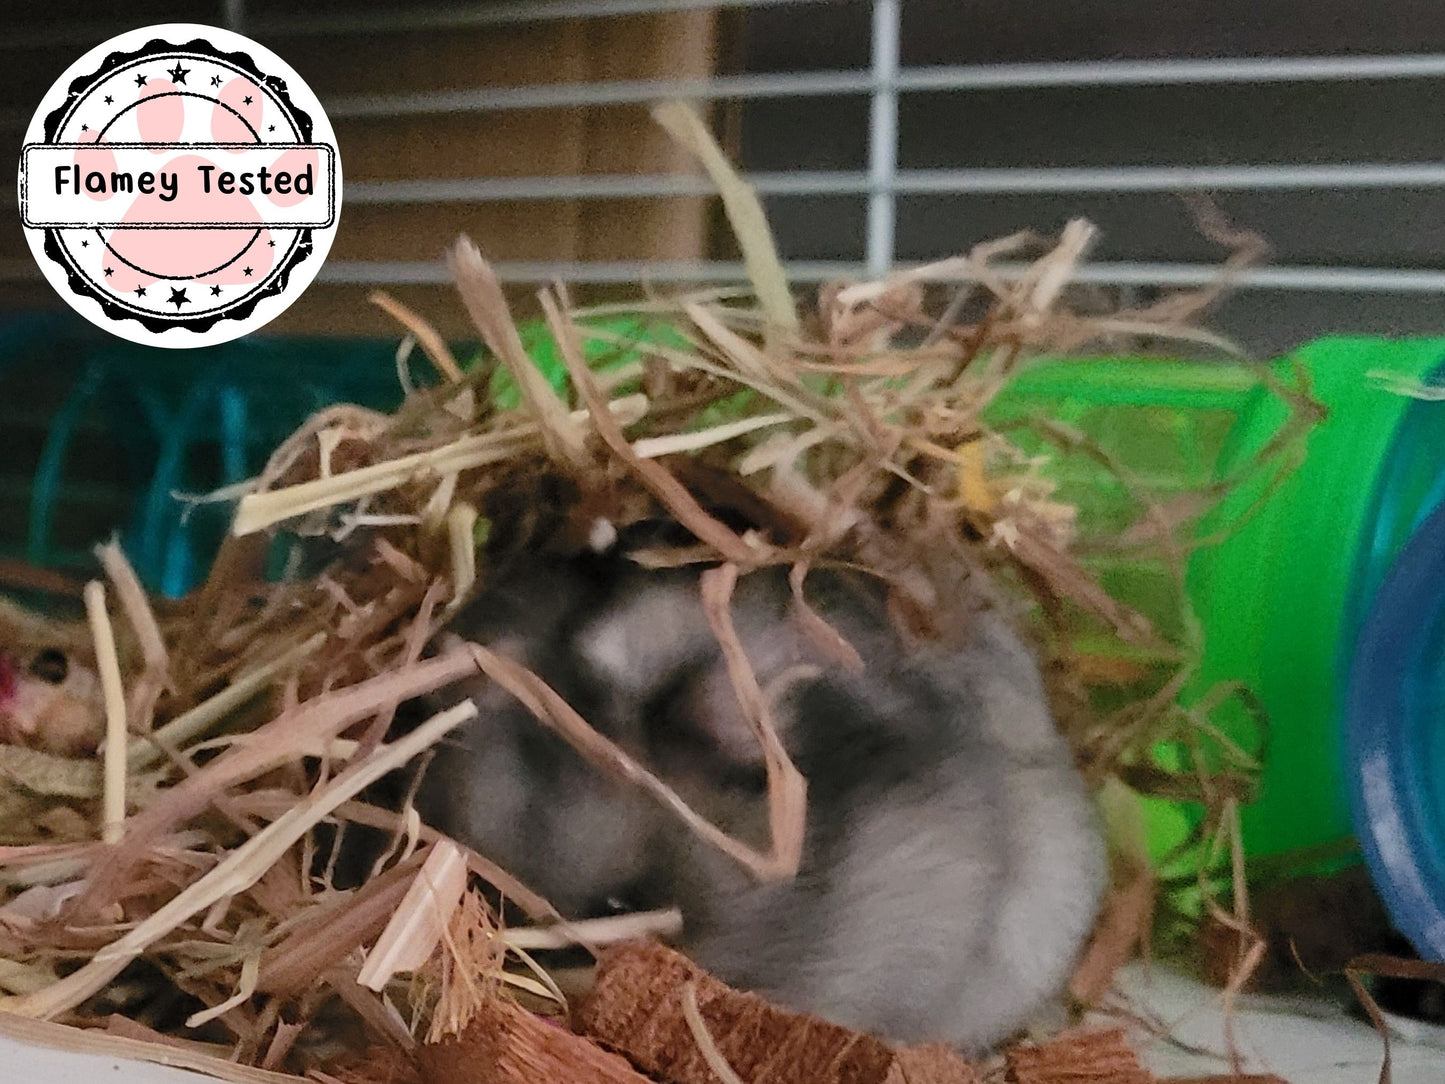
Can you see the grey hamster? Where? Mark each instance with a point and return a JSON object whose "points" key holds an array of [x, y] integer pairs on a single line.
{"points": [[952, 867]]}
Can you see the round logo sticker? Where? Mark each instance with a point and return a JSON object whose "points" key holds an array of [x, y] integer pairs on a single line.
{"points": [[179, 185]]}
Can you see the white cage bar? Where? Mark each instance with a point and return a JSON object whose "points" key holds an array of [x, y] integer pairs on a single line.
{"points": [[959, 77], [881, 184]]}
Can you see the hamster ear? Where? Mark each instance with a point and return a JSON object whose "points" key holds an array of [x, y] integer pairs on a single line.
{"points": [[658, 657], [698, 715], [701, 711], [643, 642]]}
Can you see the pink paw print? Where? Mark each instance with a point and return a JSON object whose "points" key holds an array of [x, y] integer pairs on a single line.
{"points": [[209, 257], [198, 182]]}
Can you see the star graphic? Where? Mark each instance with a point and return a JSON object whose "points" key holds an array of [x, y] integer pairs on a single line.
{"points": [[85, 127], [246, 100], [270, 244], [215, 80], [178, 298], [109, 100], [85, 244], [140, 80], [215, 291], [178, 74], [140, 291], [270, 128], [109, 271], [248, 272]]}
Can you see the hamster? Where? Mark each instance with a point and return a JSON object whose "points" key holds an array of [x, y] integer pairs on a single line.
{"points": [[49, 701], [952, 864]]}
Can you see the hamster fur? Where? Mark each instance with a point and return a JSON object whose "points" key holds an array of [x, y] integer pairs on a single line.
{"points": [[952, 865]]}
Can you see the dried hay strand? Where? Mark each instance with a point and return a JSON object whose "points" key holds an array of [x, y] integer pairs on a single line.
{"points": [[851, 432]]}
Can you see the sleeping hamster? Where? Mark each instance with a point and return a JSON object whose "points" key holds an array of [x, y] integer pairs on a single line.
{"points": [[952, 866]]}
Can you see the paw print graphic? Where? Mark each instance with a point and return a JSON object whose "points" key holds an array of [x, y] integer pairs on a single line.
{"points": [[197, 191]]}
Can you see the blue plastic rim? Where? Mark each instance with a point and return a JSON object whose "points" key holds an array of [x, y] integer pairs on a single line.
{"points": [[1410, 485], [189, 421], [1395, 738]]}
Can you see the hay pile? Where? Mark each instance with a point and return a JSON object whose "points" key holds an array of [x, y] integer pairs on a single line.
{"points": [[248, 715]]}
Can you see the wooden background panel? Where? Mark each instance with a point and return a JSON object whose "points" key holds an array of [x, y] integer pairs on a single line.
{"points": [[527, 143], [523, 143]]}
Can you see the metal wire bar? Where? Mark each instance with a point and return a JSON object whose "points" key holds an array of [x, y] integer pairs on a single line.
{"points": [[1255, 70], [436, 17], [882, 183], [465, 16], [883, 137], [604, 272], [1301, 279], [233, 15], [1339, 177]]}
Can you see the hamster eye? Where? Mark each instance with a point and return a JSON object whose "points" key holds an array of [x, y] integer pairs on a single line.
{"points": [[747, 778], [609, 907], [50, 666], [670, 726]]}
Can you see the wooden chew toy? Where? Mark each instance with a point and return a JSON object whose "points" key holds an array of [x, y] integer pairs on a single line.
{"points": [[1079, 1057], [635, 1030], [636, 1008], [506, 1044]]}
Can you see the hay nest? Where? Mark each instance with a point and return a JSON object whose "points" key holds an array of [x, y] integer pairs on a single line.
{"points": [[177, 888]]}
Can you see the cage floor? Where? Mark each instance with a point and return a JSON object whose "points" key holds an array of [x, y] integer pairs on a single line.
{"points": [[1303, 1041]]}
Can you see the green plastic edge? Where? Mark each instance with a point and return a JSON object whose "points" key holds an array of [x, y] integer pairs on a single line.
{"points": [[1276, 597]]}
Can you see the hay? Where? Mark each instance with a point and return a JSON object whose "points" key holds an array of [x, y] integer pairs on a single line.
{"points": [[856, 434]]}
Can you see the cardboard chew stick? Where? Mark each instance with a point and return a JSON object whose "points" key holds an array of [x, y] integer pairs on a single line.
{"points": [[637, 1007]]}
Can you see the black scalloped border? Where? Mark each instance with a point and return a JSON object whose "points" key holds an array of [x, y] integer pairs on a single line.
{"points": [[81, 285]]}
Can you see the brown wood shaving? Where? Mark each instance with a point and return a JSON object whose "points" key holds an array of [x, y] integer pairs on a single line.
{"points": [[1122, 928], [932, 1064], [481, 291], [432, 344], [824, 636], [290, 735], [787, 790], [1078, 1057], [664, 485], [636, 1008], [550, 709], [330, 931], [1391, 967], [505, 1044]]}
